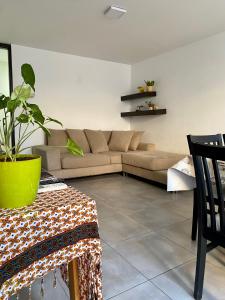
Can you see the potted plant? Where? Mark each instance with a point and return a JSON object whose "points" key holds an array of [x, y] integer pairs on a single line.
{"points": [[20, 173], [149, 85], [141, 89]]}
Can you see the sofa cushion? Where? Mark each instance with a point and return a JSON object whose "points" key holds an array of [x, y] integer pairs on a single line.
{"points": [[107, 134], [58, 137], [96, 140], [79, 137], [70, 161], [115, 156], [120, 140], [155, 161], [136, 139]]}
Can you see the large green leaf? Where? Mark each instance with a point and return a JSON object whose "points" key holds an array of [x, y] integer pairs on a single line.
{"points": [[22, 118], [38, 117], [3, 101], [74, 148], [36, 113], [22, 93], [33, 107], [12, 105], [28, 75], [54, 120]]}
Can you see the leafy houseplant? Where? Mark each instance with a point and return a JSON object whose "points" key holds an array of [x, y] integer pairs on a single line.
{"points": [[149, 85], [20, 173]]}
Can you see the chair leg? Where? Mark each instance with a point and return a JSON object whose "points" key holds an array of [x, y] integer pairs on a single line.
{"points": [[194, 216], [200, 267]]}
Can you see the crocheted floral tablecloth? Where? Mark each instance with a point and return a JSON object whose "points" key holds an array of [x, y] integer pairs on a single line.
{"points": [[58, 227]]}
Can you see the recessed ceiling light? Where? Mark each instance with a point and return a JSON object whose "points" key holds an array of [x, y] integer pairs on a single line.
{"points": [[115, 12]]}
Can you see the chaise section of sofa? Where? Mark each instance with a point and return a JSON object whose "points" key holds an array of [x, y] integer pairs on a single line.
{"points": [[152, 165], [116, 156]]}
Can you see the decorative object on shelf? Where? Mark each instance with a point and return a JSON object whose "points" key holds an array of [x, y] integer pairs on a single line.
{"points": [[151, 106], [67, 233], [149, 85], [140, 107], [141, 89], [20, 174]]}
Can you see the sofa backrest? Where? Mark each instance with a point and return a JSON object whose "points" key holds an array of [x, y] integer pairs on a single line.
{"points": [[59, 138]]}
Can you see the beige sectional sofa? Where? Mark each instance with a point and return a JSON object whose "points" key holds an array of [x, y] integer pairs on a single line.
{"points": [[105, 152]]}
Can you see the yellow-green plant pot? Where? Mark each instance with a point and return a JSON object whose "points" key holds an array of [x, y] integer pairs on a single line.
{"points": [[19, 181]]}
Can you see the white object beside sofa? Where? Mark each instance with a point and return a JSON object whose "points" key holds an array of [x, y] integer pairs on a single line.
{"points": [[181, 176]]}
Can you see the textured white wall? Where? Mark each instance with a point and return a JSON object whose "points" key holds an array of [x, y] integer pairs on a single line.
{"points": [[80, 92], [4, 81], [4, 78], [190, 83]]}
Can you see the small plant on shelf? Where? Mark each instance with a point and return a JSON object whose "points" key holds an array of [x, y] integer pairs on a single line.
{"points": [[149, 85], [141, 89]]}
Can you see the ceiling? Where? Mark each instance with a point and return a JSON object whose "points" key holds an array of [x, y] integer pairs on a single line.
{"points": [[79, 27]]}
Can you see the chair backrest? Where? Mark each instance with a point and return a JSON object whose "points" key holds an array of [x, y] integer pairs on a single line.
{"points": [[209, 186], [215, 139]]}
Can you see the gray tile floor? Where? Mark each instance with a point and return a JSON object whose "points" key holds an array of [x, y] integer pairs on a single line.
{"points": [[147, 250]]}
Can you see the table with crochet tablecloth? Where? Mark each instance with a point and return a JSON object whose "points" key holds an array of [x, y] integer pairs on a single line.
{"points": [[59, 229]]}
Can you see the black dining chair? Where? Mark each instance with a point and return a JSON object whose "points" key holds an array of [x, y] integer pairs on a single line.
{"points": [[211, 213], [215, 139]]}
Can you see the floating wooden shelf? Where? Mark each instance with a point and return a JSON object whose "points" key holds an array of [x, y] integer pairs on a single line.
{"points": [[138, 95], [144, 113]]}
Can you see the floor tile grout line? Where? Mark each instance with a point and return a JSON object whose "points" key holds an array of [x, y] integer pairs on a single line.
{"points": [[149, 279], [157, 205], [131, 288], [160, 289], [127, 239], [128, 262], [191, 251], [183, 221], [147, 233], [174, 268], [175, 242], [149, 230]]}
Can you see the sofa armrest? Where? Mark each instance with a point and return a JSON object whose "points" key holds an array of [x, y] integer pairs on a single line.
{"points": [[50, 157], [146, 147]]}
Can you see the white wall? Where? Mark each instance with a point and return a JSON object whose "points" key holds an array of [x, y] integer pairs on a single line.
{"points": [[190, 83], [80, 92], [4, 78], [4, 81]]}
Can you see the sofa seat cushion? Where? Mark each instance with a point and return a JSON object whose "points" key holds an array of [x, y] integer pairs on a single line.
{"points": [[115, 157], [155, 161], [70, 161]]}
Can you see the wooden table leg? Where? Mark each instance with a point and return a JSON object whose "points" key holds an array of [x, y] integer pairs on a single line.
{"points": [[74, 280]]}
